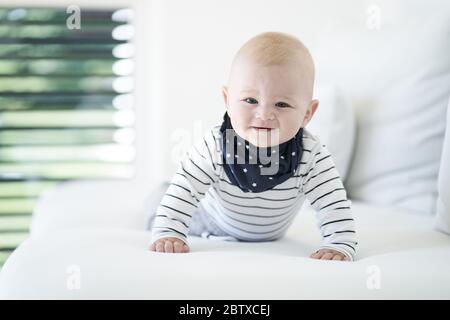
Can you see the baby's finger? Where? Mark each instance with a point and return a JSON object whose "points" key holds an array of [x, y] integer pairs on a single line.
{"points": [[168, 247], [327, 256], [317, 255], [160, 246], [337, 257], [185, 248], [178, 246], [152, 247]]}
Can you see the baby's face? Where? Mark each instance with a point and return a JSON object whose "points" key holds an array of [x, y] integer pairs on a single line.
{"points": [[267, 105]]}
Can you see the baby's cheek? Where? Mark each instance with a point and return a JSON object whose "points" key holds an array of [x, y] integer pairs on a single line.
{"points": [[238, 119], [295, 126]]}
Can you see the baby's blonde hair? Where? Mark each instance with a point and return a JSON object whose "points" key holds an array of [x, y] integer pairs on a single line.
{"points": [[278, 48], [274, 48]]}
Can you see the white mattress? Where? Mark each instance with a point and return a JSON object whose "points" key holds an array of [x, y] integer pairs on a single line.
{"points": [[411, 259]]}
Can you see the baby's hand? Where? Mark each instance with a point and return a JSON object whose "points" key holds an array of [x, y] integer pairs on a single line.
{"points": [[329, 254], [170, 245]]}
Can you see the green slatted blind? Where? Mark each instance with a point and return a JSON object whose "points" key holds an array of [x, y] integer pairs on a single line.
{"points": [[66, 107]]}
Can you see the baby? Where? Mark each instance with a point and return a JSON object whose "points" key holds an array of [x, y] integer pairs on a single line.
{"points": [[247, 178]]}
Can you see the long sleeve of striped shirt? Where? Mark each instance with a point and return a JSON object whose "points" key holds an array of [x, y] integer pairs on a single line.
{"points": [[324, 190], [195, 174]]}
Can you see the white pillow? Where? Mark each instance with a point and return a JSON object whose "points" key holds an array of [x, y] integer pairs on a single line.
{"points": [[397, 78], [334, 123], [442, 222]]}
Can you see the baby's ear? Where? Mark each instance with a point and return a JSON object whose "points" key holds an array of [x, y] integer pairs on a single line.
{"points": [[313, 105], [225, 95]]}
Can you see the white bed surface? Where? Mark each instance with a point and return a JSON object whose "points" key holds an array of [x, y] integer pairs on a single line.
{"points": [[412, 260]]}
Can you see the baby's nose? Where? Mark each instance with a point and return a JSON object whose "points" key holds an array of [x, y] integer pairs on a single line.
{"points": [[265, 113]]}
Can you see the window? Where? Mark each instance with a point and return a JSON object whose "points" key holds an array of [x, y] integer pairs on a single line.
{"points": [[66, 106]]}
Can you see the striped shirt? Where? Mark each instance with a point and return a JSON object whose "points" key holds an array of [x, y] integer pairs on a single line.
{"points": [[261, 216]]}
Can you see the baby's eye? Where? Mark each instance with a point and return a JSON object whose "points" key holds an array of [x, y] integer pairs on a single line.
{"points": [[282, 105], [250, 100]]}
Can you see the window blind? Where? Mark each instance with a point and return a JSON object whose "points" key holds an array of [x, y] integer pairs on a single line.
{"points": [[66, 106]]}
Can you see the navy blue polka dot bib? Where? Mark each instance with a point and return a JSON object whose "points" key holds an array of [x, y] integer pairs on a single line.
{"points": [[257, 169]]}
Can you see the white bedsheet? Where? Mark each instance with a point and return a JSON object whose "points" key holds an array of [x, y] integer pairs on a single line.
{"points": [[410, 258]]}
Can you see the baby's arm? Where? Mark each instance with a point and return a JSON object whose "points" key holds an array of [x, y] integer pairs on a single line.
{"points": [[195, 175], [324, 189]]}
